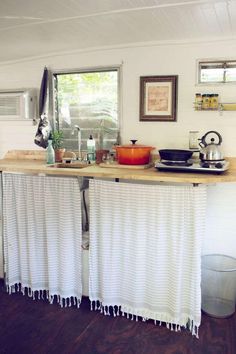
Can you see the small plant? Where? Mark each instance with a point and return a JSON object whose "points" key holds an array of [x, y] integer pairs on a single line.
{"points": [[57, 139]]}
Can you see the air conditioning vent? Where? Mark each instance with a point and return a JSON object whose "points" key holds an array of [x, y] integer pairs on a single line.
{"points": [[18, 105], [9, 105]]}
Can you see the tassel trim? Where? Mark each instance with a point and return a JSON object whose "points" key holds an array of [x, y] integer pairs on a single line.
{"points": [[45, 295], [116, 310], [171, 324]]}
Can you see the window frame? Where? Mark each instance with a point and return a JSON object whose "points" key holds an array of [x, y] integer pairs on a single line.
{"points": [[117, 67], [221, 62]]}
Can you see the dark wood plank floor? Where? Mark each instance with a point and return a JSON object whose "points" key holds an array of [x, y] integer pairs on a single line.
{"points": [[36, 327]]}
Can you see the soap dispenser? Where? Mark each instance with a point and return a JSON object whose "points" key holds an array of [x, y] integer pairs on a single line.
{"points": [[91, 148]]}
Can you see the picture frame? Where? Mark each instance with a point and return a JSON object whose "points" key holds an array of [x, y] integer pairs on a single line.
{"points": [[158, 98]]}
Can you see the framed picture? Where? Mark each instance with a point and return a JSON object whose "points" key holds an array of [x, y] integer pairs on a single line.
{"points": [[158, 98]]}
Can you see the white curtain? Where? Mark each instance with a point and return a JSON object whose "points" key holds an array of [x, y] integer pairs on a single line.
{"points": [[145, 251], [42, 236]]}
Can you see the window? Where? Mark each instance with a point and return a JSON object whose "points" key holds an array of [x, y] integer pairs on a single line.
{"points": [[88, 100], [216, 71]]}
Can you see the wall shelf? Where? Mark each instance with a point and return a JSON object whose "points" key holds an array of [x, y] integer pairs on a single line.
{"points": [[227, 107], [221, 107]]}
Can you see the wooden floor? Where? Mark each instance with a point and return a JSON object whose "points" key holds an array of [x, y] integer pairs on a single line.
{"points": [[36, 327]]}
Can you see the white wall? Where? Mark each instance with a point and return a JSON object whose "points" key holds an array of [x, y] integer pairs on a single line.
{"points": [[156, 60], [176, 59]]}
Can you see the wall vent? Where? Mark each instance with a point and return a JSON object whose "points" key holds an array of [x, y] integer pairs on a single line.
{"points": [[18, 104]]}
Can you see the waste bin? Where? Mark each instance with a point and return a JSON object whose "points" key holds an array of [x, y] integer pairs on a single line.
{"points": [[218, 285]]}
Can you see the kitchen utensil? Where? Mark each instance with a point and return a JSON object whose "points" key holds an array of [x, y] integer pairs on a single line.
{"points": [[133, 154], [175, 154], [211, 152]]}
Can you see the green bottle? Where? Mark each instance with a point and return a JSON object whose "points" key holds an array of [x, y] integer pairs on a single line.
{"points": [[50, 153]]}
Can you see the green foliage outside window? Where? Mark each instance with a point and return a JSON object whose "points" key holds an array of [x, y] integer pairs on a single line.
{"points": [[89, 100]]}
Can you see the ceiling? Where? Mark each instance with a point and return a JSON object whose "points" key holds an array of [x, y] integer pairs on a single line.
{"points": [[33, 28]]}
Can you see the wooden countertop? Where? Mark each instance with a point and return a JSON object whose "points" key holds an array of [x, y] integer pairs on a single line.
{"points": [[34, 163]]}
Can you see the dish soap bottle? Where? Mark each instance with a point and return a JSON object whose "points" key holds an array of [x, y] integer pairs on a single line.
{"points": [[50, 151], [91, 148]]}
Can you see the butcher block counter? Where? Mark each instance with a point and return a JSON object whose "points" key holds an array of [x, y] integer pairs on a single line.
{"points": [[33, 162]]}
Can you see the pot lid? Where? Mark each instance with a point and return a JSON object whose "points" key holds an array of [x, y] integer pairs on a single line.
{"points": [[133, 145]]}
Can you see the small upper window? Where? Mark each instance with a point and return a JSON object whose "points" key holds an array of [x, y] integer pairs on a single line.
{"points": [[217, 71]]}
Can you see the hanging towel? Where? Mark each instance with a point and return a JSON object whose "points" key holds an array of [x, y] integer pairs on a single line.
{"points": [[42, 236], [44, 126], [145, 251]]}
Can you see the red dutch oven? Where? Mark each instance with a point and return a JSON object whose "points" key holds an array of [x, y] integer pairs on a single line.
{"points": [[133, 154]]}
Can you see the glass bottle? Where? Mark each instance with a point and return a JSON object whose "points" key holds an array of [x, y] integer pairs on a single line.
{"points": [[50, 153]]}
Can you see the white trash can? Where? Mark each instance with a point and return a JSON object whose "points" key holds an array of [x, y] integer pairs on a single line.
{"points": [[218, 285]]}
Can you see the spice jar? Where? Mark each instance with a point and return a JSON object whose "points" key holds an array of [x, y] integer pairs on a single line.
{"points": [[214, 101], [198, 101], [205, 101]]}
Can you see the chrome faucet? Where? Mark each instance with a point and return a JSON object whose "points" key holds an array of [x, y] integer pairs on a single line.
{"points": [[79, 140]]}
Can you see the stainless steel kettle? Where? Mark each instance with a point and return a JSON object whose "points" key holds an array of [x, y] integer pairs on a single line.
{"points": [[211, 152]]}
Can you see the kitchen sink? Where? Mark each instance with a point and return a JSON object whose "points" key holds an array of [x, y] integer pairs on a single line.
{"points": [[70, 165]]}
